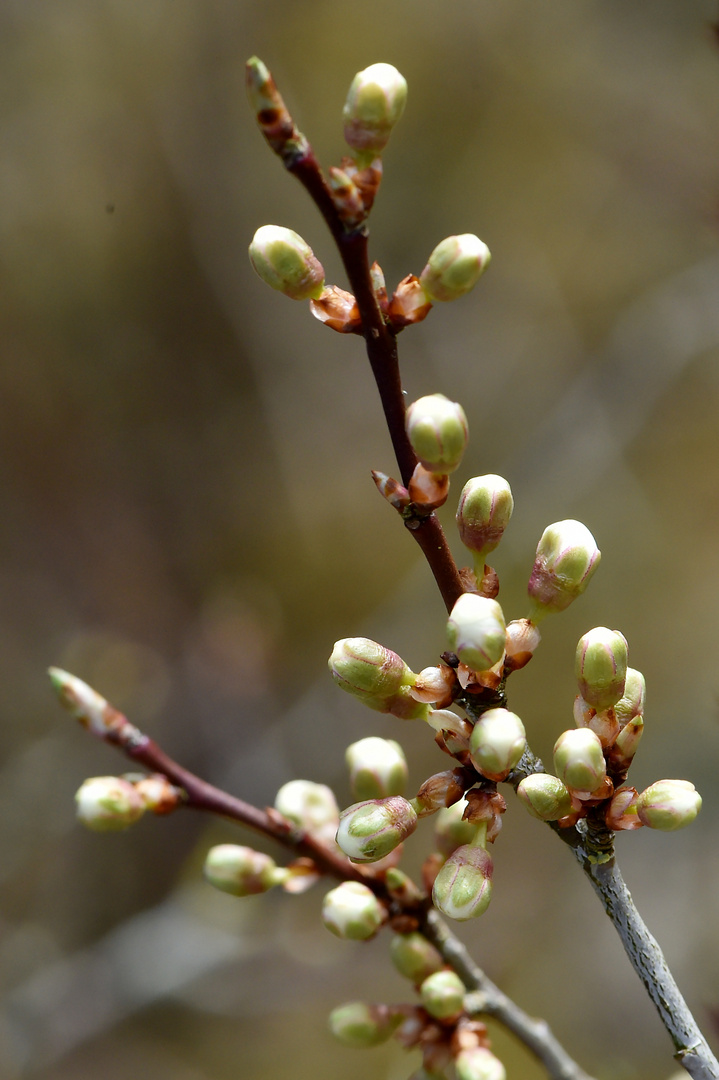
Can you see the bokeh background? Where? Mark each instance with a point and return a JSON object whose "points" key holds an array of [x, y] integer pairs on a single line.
{"points": [[188, 521]]}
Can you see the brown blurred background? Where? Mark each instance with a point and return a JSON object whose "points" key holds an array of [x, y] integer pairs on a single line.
{"points": [[188, 521]]}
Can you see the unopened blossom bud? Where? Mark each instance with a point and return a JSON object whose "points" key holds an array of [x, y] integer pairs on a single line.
{"points": [[497, 742], [368, 670], [545, 796], [287, 263], [359, 1025], [478, 1063], [463, 887], [352, 911], [414, 956], [240, 871], [633, 700], [579, 759], [522, 639], [437, 429], [668, 805], [370, 830], [476, 631], [443, 995], [108, 804], [375, 102], [601, 667], [377, 768], [158, 794], [311, 806], [454, 267], [452, 829], [485, 507], [567, 556]]}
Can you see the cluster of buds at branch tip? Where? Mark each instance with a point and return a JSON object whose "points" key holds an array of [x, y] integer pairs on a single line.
{"points": [[485, 508], [438, 432], [287, 263], [476, 631], [377, 676], [353, 912], [567, 556], [454, 267], [377, 768], [311, 806], [241, 871], [370, 830], [375, 102]]}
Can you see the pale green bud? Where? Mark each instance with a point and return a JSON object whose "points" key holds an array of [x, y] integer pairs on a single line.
{"points": [[463, 887], [497, 742], [601, 667], [108, 804], [375, 102], [633, 700], [414, 956], [485, 507], [360, 1025], [368, 670], [627, 741], [311, 806], [454, 267], [443, 994], [668, 805], [352, 911], [476, 631], [478, 1063], [287, 263], [240, 871], [377, 767], [437, 429], [452, 830], [579, 759], [545, 796], [370, 830], [567, 556]]}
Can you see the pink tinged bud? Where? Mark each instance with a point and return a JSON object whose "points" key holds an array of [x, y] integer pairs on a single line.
{"points": [[485, 508], [567, 556], [497, 743], [368, 670], [409, 303], [668, 805], [240, 871], [440, 791], [443, 995], [451, 828], [545, 796], [377, 767], [359, 1025], [415, 957], [287, 263], [603, 724], [622, 811], [522, 639], [437, 429], [347, 196], [626, 743], [476, 631], [478, 1063], [108, 804], [337, 309], [633, 700], [600, 666], [454, 267], [311, 806], [370, 830], [463, 887], [579, 760], [353, 912], [375, 102]]}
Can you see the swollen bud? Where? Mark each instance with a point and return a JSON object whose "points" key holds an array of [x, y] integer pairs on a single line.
{"points": [[454, 267], [368, 670], [601, 667], [579, 759], [476, 631], [375, 102], [359, 1025], [414, 956], [287, 263], [497, 742], [352, 911], [668, 805], [545, 796], [463, 887], [311, 806], [478, 1063], [485, 507], [370, 830], [377, 767], [567, 556], [240, 871], [443, 995], [108, 804], [437, 429]]}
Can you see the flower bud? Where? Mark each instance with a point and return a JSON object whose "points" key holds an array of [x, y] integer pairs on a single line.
{"points": [[375, 102], [579, 760], [158, 794], [545, 796], [497, 742], [311, 806], [240, 871], [451, 828], [476, 631], [668, 805], [443, 995], [287, 263], [359, 1025], [601, 667], [626, 743], [478, 1063], [435, 685], [352, 911], [437, 429], [368, 670], [377, 767], [454, 267], [485, 507], [463, 887], [633, 699], [370, 830], [522, 639], [108, 804], [567, 556], [414, 956]]}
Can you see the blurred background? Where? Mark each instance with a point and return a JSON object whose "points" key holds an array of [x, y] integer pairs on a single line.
{"points": [[189, 523]]}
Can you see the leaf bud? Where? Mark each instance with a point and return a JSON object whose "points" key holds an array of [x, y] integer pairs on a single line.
{"points": [[443, 995], [375, 102], [437, 429], [454, 267], [108, 804], [359, 1025], [368, 670], [414, 956], [377, 768], [668, 805], [451, 828], [600, 666], [352, 911], [240, 871], [372, 829], [579, 759], [476, 631], [633, 700], [497, 742], [479, 1063], [463, 887], [567, 556], [287, 263], [545, 796], [485, 507], [311, 806]]}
